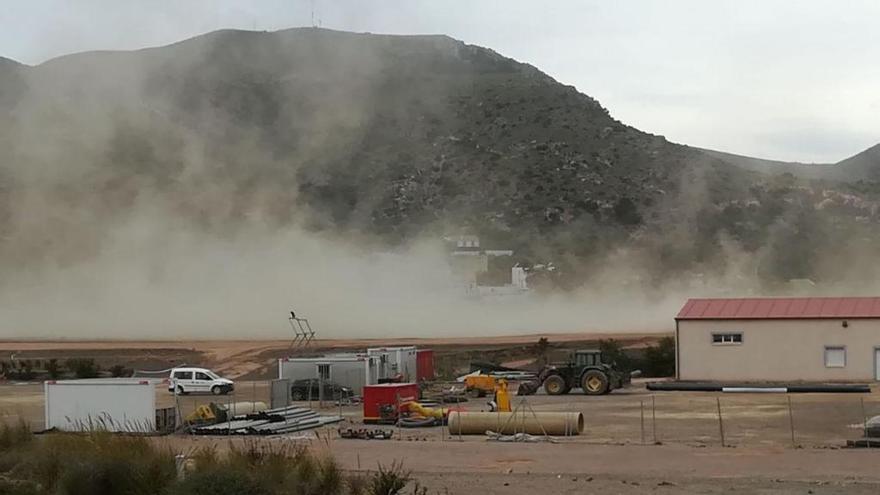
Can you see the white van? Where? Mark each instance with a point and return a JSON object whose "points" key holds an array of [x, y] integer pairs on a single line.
{"points": [[195, 380]]}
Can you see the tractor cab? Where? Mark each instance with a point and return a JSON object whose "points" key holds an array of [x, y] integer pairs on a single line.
{"points": [[588, 357]]}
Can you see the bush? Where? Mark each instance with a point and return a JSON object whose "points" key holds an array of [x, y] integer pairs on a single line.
{"points": [[101, 463], [218, 480], [119, 370], [25, 370], [389, 481], [82, 367], [53, 369], [660, 359], [13, 436], [612, 353]]}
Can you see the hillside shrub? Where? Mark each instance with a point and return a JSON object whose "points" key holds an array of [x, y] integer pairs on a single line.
{"points": [[660, 359], [53, 369], [83, 367]]}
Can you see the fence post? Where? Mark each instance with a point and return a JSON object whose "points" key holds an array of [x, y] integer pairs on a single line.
{"points": [[720, 421], [791, 422], [397, 414], [642, 411], [654, 418], [864, 416]]}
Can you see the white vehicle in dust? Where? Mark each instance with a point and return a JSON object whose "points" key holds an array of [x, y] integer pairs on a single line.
{"points": [[199, 380]]}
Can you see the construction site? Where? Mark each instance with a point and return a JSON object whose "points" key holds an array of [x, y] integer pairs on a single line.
{"points": [[507, 415]]}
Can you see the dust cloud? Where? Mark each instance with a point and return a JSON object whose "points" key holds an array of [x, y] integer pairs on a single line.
{"points": [[153, 195], [152, 281]]}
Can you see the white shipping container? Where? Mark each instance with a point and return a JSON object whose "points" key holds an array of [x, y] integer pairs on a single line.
{"points": [[112, 405], [393, 361]]}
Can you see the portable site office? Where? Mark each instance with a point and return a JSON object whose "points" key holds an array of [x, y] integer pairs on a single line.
{"points": [[119, 405], [394, 361], [349, 370]]}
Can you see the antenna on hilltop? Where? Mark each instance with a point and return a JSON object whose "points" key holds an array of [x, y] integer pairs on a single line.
{"points": [[313, 13]]}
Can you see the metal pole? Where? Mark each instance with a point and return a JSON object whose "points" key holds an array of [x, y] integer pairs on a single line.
{"points": [[791, 423], [397, 413], [642, 410], [254, 403], [228, 414], [720, 421], [653, 418], [179, 418], [864, 417]]}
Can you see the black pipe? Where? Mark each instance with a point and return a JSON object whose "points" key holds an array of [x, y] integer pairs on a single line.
{"points": [[683, 387], [792, 389], [829, 389]]}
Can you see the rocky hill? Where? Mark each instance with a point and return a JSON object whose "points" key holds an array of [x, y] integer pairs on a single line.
{"points": [[395, 138]]}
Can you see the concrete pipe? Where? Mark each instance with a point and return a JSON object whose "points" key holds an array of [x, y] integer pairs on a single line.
{"points": [[508, 423]]}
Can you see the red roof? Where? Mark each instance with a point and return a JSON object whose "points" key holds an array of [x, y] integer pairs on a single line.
{"points": [[782, 307]]}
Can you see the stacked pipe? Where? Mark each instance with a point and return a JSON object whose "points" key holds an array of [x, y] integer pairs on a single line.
{"points": [[270, 422]]}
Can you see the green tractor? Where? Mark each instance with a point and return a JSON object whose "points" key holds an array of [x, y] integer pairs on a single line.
{"points": [[584, 370]]}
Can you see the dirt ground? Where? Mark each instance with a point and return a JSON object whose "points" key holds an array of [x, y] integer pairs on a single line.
{"points": [[635, 441], [610, 456], [257, 359]]}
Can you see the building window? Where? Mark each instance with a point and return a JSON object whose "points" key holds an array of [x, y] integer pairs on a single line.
{"points": [[324, 371], [835, 357], [727, 338]]}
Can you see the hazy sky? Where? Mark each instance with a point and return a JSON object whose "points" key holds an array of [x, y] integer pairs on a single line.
{"points": [[789, 80]]}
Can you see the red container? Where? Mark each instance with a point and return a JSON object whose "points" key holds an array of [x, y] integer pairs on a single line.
{"points": [[424, 365], [387, 396]]}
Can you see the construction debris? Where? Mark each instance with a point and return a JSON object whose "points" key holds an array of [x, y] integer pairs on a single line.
{"points": [[270, 422], [872, 435], [365, 434], [518, 437]]}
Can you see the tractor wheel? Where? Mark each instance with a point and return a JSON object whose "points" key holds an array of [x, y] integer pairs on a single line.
{"points": [[594, 382], [555, 385]]}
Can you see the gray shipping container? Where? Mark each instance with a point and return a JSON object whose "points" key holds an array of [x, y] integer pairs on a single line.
{"points": [[349, 370]]}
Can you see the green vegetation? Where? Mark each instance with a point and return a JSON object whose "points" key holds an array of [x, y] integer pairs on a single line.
{"points": [[82, 367], [660, 359], [655, 361], [101, 463]]}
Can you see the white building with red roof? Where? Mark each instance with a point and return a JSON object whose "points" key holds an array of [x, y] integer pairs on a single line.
{"points": [[804, 339]]}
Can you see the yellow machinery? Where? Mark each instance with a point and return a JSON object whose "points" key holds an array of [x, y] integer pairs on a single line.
{"points": [[502, 396], [427, 412], [203, 414], [480, 385]]}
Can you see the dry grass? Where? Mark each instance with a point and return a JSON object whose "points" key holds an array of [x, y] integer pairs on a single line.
{"points": [[102, 463]]}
